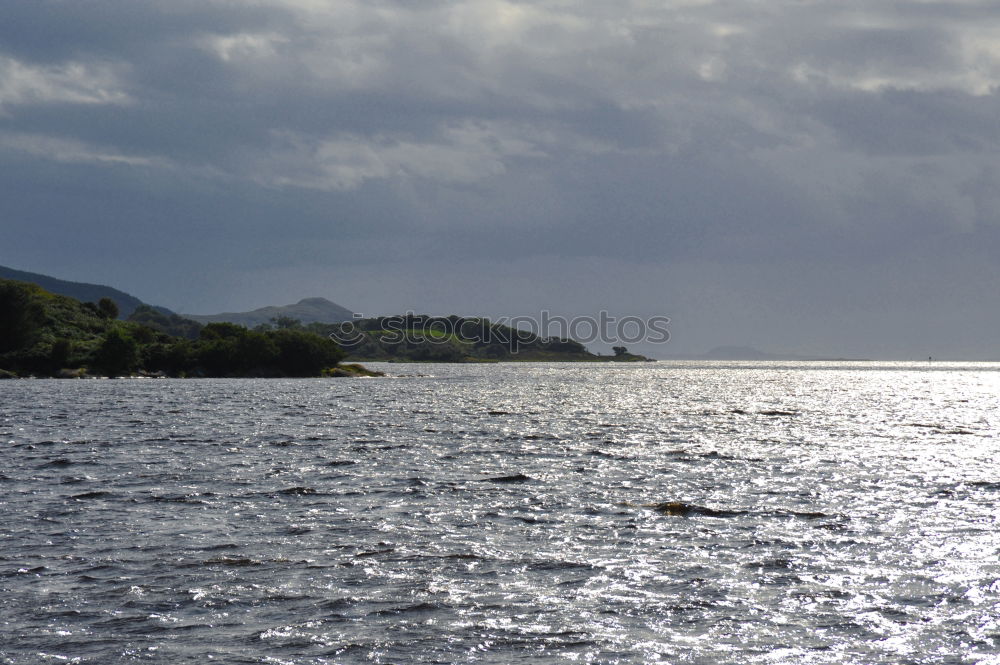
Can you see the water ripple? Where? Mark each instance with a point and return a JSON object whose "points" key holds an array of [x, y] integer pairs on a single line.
{"points": [[684, 513]]}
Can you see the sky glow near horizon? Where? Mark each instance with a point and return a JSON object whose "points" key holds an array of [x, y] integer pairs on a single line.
{"points": [[811, 177]]}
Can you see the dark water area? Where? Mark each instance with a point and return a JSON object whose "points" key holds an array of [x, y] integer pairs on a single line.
{"points": [[668, 513]]}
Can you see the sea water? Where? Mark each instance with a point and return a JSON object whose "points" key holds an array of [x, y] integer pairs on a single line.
{"points": [[537, 513]]}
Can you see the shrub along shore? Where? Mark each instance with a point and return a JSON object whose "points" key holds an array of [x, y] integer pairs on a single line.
{"points": [[48, 335]]}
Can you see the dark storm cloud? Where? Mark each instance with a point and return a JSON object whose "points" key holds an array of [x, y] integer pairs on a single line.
{"points": [[310, 137]]}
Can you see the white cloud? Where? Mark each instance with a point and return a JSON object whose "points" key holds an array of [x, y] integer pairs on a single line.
{"points": [[70, 82], [71, 151], [462, 153], [245, 47]]}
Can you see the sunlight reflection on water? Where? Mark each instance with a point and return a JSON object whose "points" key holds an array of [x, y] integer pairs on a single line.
{"points": [[676, 512]]}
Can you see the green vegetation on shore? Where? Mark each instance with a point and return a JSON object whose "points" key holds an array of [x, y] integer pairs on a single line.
{"points": [[81, 291], [43, 334]]}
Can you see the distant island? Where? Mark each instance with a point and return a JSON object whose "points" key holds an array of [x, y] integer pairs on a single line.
{"points": [[422, 338]]}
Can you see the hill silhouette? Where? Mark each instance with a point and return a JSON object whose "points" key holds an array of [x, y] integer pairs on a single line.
{"points": [[307, 310], [81, 291]]}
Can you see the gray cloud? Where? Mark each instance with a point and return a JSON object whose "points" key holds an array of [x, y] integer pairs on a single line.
{"points": [[322, 141]]}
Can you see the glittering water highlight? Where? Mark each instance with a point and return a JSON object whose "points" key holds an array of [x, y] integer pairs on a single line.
{"points": [[670, 512]]}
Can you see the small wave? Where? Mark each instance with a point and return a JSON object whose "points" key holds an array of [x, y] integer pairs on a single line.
{"points": [[714, 454], [601, 453], [337, 603], [298, 491], [831, 526], [807, 515], [92, 495], [516, 478], [530, 520], [409, 609], [60, 463], [769, 564], [682, 509], [563, 565], [465, 556], [177, 499], [184, 627], [64, 614], [122, 622], [235, 561], [942, 429]]}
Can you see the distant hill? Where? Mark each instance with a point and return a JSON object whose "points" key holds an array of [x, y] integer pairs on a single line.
{"points": [[79, 290], [307, 310]]}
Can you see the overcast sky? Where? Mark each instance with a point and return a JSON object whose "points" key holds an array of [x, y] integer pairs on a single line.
{"points": [[803, 176]]}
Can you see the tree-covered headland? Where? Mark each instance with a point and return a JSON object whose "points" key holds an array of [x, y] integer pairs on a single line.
{"points": [[422, 338], [43, 334]]}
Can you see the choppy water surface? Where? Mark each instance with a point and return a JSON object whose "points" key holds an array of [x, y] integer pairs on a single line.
{"points": [[678, 513]]}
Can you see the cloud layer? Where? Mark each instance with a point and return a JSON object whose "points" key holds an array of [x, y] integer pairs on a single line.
{"points": [[743, 149]]}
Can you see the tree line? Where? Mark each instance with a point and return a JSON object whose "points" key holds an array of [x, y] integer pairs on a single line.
{"points": [[43, 334]]}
